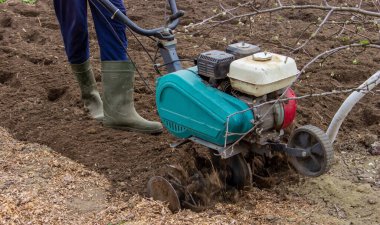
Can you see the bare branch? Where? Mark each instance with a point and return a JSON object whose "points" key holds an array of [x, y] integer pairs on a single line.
{"points": [[360, 4], [376, 3], [344, 28], [335, 50], [326, 3], [225, 10], [287, 7], [316, 31], [222, 13]]}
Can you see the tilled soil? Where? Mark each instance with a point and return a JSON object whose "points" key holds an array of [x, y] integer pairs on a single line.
{"points": [[40, 99], [40, 186]]}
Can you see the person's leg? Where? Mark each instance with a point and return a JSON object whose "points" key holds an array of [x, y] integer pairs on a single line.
{"points": [[118, 74], [72, 18], [112, 41]]}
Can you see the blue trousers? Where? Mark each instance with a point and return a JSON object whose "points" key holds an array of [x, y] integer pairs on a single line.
{"points": [[72, 18]]}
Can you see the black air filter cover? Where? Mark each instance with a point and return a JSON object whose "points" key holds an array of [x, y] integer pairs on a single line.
{"points": [[214, 64]]}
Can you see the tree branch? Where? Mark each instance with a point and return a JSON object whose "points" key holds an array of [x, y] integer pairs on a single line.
{"points": [[316, 31], [286, 7]]}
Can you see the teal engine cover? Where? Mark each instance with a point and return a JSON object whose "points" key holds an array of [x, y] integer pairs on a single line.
{"points": [[189, 107]]}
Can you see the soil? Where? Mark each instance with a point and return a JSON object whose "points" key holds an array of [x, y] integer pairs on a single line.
{"points": [[40, 103]]}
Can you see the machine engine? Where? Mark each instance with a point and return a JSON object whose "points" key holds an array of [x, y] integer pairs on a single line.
{"points": [[197, 102]]}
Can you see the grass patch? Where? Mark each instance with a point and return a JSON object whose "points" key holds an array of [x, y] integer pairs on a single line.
{"points": [[23, 1], [27, 1]]}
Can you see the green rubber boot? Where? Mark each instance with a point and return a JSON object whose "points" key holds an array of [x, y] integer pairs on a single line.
{"points": [[90, 95], [119, 109]]}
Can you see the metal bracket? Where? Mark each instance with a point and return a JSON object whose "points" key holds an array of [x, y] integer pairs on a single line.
{"points": [[296, 152], [179, 143], [224, 153], [169, 54]]}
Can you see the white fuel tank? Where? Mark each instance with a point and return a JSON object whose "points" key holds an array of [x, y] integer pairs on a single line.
{"points": [[262, 73]]}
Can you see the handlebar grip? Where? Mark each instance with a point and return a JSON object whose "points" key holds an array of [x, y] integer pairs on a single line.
{"points": [[176, 15], [118, 15]]}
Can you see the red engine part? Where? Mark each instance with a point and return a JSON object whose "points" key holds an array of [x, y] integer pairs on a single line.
{"points": [[290, 109]]}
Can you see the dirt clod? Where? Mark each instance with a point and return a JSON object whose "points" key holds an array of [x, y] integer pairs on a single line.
{"points": [[5, 76], [56, 93], [375, 148], [372, 201], [6, 22]]}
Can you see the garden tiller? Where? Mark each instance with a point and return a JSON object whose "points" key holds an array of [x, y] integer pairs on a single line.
{"points": [[227, 103]]}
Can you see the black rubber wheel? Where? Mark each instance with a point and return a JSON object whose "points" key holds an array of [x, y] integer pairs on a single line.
{"points": [[240, 172], [321, 151]]}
